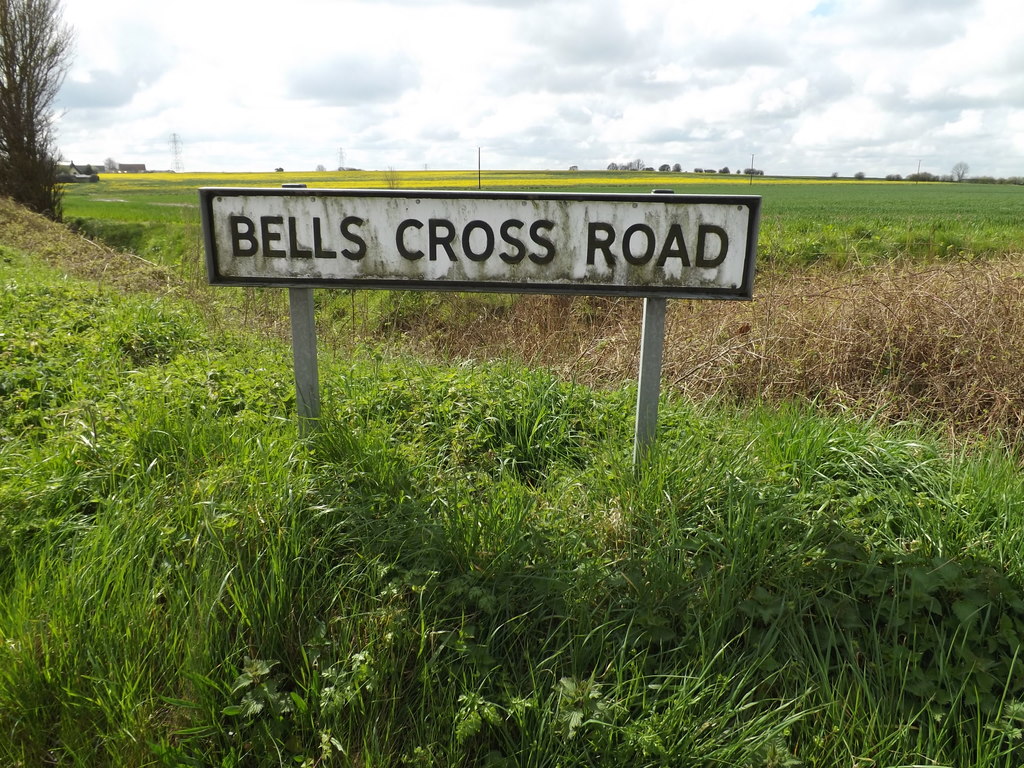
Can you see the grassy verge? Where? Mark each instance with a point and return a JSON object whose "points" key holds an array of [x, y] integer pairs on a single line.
{"points": [[461, 568]]}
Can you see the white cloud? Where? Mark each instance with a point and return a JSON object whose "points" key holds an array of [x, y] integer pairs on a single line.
{"points": [[807, 85], [969, 123]]}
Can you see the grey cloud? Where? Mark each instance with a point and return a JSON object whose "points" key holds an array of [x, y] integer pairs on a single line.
{"points": [[514, 5], [742, 51], [700, 133], [574, 115], [144, 54], [829, 84], [951, 101], [628, 79], [351, 80], [915, 7], [104, 90], [578, 34], [439, 133], [911, 24]]}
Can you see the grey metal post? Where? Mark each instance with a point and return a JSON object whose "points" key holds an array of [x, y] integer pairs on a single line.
{"points": [[307, 372], [652, 346], [652, 349]]}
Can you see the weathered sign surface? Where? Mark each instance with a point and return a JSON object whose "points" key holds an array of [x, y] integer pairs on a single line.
{"points": [[651, 245]]}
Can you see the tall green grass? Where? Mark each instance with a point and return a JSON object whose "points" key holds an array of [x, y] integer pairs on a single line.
{"points": [[461, 567]]}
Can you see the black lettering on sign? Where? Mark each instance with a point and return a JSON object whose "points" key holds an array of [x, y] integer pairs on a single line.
{"points": [[506, 235], [400, 239], [243, 230], [318, 242], [270, 235], [436, 239], [638, 258], [600, 237], [352, 237], [293, 242], [467, 246], [543, 242], [703, 260], [675, 247]]}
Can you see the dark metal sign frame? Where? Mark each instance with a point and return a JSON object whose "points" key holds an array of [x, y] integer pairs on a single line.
{"points": [[577, 203]]}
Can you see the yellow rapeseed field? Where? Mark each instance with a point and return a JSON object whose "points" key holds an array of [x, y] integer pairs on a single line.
{"points": [[525, 180]]}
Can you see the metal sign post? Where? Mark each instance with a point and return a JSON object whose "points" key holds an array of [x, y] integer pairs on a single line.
{"points": [[307, 373], [654, 246], [652, 346], [652, 352]]}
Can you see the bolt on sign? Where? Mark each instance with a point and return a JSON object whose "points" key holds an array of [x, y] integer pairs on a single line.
{"points": [[663, 245]]}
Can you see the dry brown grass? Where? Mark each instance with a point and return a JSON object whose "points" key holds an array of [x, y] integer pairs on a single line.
{"points": [[944, 343], [941, 342], [64, 250]]}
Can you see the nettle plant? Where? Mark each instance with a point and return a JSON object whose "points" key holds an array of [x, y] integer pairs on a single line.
{"points": [[952, 631], [261, 704]]}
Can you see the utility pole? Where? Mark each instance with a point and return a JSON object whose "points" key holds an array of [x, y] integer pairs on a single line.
{"points": [[479, 173], [751, 169], [341, 158]]}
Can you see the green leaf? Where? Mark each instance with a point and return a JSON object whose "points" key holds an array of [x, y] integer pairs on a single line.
{"points": [[967, 610]]}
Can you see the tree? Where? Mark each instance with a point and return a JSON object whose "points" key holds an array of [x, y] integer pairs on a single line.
{"points": [[960, 170], [860, 176], [320, 168], [35, 52], [110, 164]]}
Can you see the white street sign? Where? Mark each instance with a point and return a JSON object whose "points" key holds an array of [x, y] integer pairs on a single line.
{"points": [[663, 245]]}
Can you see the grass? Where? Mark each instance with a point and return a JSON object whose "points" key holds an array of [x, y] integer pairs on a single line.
{"points": [[462, 568], [805, 221], [889, 298]]}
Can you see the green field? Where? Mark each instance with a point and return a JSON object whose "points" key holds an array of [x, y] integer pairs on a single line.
{"points": [[804, 221]]}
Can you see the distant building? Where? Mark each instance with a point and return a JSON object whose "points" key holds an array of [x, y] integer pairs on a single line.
{"points": [[73, 174], [131, 167]]}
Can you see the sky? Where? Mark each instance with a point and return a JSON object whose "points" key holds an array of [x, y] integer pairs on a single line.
{"points": [[806, 87]]}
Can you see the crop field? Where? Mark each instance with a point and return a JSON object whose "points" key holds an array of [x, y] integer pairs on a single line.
{"points": [[804, 221]]}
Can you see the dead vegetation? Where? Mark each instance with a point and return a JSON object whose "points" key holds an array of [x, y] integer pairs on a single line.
{"points": [[940, 342], [943, 343], [63, 249]]}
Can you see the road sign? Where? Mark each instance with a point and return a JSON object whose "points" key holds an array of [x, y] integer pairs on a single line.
{"points": [[662, 245]]}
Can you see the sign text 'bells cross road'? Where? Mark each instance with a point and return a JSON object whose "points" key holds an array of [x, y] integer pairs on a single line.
{"points": [[647, 245]]}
